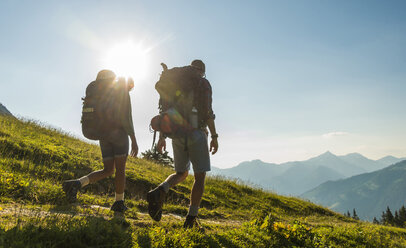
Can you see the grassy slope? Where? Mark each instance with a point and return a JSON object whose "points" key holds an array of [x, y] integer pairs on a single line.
{"points": [[35, 160]]}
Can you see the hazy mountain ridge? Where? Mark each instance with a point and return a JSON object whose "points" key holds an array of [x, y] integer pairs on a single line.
{"points": [[368, 193], [336, 163], [295, 178], [390, 160]]}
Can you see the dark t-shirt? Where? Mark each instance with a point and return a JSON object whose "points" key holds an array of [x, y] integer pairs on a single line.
{"points": [[123, 107], [205, 109]]}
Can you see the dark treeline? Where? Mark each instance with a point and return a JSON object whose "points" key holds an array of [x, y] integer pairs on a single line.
{"points": [[388, 218], [354, 214]]}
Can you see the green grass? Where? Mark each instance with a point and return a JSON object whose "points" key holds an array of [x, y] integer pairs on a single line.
{"points": [[35, 159]]}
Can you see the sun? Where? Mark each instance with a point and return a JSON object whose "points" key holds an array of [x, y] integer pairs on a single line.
{"points": [[127, 59]]}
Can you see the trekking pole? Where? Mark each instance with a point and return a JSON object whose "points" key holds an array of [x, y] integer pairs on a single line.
{"points": [[153, 140]]}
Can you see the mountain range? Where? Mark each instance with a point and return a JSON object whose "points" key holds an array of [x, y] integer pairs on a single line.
{"points": [[369, 193], [298, 177]]}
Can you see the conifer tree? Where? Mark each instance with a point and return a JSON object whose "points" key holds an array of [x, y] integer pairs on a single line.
{"points": [[375, 221], [402, 216], [390, 220], [396, 220], [384, 220], [354, 215]]}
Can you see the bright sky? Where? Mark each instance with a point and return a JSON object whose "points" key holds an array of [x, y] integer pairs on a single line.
{"points": [[291, 79]]}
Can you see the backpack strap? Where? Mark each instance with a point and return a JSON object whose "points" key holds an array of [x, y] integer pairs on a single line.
{"points": [[185, 149]]}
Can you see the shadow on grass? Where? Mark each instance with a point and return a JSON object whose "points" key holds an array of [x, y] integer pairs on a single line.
{"points": [[68, 231], [71, 209]]}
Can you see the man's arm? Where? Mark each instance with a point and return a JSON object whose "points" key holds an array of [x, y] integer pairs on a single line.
{"points": [[209, 116], [161, 146], [213, 143], [134, 146], [127, 119]]}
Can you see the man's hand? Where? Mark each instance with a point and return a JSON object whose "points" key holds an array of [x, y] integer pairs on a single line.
{"points": [[161, 146], [130, 84], [214, 146], [134, 149]]}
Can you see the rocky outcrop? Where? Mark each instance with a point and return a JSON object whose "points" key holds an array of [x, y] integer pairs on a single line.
{"points": [[4, 110]]}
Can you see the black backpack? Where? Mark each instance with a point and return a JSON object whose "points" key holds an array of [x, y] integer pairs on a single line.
{"points": [[98, 109], [178, 89]]}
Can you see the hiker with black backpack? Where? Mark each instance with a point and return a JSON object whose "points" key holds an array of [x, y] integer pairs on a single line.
{"points": [[106, 116], [185, 113]]}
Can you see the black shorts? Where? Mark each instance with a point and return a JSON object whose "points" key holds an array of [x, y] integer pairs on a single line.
{"points": [[115, 144]]}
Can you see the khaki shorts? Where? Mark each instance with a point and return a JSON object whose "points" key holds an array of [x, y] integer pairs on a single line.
{"points": [[197, 152]]}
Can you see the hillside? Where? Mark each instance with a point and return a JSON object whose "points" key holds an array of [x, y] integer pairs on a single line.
{"points": [[368, 193], [34, 160], [295, 178]]}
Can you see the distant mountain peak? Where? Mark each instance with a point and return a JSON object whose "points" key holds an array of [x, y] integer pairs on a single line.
{"points": [[390, 160], [257, 160], [388, 157], [327, 154]]}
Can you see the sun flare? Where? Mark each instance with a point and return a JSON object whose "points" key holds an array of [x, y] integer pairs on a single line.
{"points": [[127, 59]]}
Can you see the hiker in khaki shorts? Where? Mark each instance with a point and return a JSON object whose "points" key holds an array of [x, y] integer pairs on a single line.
{"points": [[192, 149]]}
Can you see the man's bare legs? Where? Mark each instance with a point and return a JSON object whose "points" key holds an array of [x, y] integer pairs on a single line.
{"points": [[195, 199], [176, 178], [197, 189], [100, 174], [119, 164], [156, 197], [109, 165], [120, 174], [71, 187]]}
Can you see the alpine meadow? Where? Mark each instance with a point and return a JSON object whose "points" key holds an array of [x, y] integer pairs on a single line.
{"points": [[35, 159], [207, 124]]}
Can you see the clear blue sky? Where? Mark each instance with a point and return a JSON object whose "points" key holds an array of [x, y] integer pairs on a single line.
{"points": [[291, 79]]}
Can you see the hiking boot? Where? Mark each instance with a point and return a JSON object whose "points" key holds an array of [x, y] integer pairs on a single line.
{"points": [[155, 199], [71, 188], [118, 206], [191, 222]]}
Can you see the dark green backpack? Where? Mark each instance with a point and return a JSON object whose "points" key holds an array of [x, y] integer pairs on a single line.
{"points": [[177, 88], [98, 109]]}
